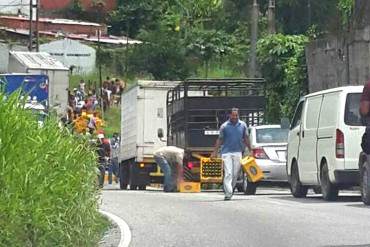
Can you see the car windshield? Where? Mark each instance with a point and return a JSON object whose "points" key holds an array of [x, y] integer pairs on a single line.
{"points": [[272, 135], [352, 115]]}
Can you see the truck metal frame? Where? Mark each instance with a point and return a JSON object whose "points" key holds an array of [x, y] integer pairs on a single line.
{"points": [[197, 108]]}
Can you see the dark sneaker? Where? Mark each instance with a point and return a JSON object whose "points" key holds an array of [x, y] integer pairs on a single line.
{"points": [[227, 198]]}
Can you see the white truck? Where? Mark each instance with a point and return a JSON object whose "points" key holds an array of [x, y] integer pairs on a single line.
{"points": [[143, 112]]}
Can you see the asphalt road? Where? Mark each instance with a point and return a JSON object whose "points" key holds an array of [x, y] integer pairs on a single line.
{"points": [[270, 218]]}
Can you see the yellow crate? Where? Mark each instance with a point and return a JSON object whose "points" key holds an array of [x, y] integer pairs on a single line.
{"points": [[189, 187], [250, 167], [211, 170]]}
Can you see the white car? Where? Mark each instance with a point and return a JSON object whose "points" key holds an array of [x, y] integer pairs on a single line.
{"points": [[269, 147]]}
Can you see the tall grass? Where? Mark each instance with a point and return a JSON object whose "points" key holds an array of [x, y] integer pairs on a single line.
{"points": [[112, 118], [48, 194]]}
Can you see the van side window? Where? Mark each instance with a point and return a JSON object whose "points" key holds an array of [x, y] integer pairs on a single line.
{"points": [[312, 112], [329, 109], [297, 116], [352, 115]]}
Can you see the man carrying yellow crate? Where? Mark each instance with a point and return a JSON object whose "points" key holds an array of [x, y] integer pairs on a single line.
{"points": [[234, 138]]}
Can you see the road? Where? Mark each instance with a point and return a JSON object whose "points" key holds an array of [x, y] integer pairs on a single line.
{"points": [[270, 218]]}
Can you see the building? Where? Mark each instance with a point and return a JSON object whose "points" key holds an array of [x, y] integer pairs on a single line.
{"points": [[72, 54], [15, 7], [54, 25], [52, 5], [43, 63]]}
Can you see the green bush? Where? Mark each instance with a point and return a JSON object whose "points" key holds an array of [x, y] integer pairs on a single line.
{"points": [[48, 194]]}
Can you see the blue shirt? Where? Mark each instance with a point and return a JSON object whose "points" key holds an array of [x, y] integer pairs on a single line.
{"points": [[232, 136]]}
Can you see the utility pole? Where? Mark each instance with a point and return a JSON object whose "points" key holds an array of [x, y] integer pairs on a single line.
{"points": [[30, 27], [271, 17], [100, 76], [309, 13], [252, 71], [37, 25], [34, 34]]}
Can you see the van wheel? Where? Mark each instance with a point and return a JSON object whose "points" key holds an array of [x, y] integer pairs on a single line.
{"points": [[329, 190], [317, 189], [296, 187], [365, 183]]}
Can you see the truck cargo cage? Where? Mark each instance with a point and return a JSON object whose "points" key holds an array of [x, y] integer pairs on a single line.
{"points": [[197, 108]]}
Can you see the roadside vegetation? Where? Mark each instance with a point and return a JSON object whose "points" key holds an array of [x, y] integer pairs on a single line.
{"points": [[48, 192]]}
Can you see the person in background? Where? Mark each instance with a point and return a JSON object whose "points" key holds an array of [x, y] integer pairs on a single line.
{"points": [[365, 116], [170, 160], [82, 88], [103, 150], [234, 138], [113, 168]]}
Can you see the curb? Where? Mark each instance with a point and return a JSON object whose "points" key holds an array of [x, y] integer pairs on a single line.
{"points": [[124, 229]]}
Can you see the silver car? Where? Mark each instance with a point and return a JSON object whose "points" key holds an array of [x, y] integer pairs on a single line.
{"points": [[269, 148]]}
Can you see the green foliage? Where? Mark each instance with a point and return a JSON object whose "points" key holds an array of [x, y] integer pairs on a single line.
{"points": [[133, 16], [48, 194], [283, 65], [178, 37], [346, 8]]}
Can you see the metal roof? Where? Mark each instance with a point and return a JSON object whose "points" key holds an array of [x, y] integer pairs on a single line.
{"points": [[53, 21], [38, 60], [114, 40]]}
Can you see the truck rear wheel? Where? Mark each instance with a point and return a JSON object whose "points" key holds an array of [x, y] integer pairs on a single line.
{"points": [[123, 176], [133, 187], [142, 187], [365, 183], [328, 189], [122, 185]]}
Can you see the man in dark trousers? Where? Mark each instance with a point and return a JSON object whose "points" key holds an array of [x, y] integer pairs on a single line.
{"points": [[103, 149], [365, 144]]}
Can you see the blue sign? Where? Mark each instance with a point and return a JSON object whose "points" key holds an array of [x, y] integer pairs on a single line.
{"points": [[35, 86]]}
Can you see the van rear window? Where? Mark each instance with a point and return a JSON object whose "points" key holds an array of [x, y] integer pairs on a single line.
{"points": [[352, 115]]}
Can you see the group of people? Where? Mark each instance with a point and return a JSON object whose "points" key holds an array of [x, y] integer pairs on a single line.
{"points": [[111, 92], [85, 97]]}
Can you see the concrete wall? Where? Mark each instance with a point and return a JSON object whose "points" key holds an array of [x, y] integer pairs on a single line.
{"points": [[337, 61], [4, 54]]}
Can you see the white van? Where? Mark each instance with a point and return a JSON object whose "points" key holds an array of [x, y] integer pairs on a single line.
{"points": [[324, 142]]}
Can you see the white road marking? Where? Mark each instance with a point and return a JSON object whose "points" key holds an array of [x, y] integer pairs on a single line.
{"points": [[124, 228]]}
